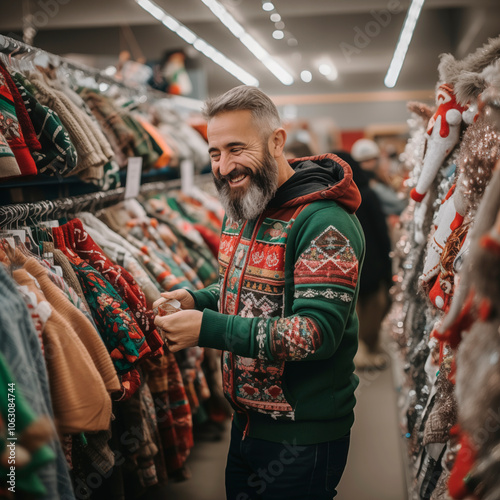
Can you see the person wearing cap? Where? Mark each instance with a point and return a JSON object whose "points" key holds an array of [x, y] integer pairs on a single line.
{"points": [[367, 153], [284, 309]]}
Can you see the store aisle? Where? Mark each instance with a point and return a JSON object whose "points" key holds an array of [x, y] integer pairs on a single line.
{"points": [[207, 463], [374, 470], [375, 467]]}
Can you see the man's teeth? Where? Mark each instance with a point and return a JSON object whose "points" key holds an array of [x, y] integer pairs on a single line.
{"points": [[238, 179]]}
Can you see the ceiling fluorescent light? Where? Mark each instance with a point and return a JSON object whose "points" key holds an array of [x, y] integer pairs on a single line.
{"points": [[403, 43], [198, 43], [250, 43]]}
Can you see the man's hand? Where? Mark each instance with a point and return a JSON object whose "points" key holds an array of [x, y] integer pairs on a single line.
{"points": [[181, 329], [183, 296]]}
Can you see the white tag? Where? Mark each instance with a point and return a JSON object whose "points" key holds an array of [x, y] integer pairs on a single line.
{"points": [[133, 182], [21, 233], [187, 175], [10, 240], [58, 270]]}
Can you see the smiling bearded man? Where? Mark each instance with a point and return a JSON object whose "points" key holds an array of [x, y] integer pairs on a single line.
{"points": [[244, 204], [284, 308]]}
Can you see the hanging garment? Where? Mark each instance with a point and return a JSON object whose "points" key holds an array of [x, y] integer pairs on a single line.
{"points": [[162, 265], [78, 240], [21, 346], [121, 334], [57, 156], [182, 132], [144, 229], [117, 132], [79, 397], [144, 145], [8, 162], [149, 416], [11, 130], [172, 411], [69, 275], [165, 150], [201, 258], [31, 433], [120, 251], [62, 85], [75, 318], [21, 112], [91, 160], [70, 294]]}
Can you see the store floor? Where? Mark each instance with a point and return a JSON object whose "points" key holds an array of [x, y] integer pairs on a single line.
{"points": [[374, 469]]}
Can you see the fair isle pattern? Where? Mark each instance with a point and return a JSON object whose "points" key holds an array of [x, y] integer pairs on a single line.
{"points": [[259, 385], [294, 338], [261, 338], [329, 259], [255, 384], [327, 293], [255, 305]]}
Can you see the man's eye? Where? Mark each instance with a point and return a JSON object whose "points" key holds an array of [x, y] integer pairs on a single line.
{"points": [[235, 150], [215, 156]]}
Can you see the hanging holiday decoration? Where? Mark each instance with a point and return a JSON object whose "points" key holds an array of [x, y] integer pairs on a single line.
{"points": [[446, 316]]}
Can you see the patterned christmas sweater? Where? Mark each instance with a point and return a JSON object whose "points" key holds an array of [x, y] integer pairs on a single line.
{"points": [[284, 309]]}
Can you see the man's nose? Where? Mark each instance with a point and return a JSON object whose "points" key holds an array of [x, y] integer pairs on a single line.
{"points": [[225, 165]]}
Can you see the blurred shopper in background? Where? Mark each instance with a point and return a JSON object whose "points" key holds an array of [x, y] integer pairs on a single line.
{"points": [[376, 276], [367, 153], [297, 149]]}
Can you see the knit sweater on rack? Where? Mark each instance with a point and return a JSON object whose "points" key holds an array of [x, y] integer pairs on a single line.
{"points": [[79, 396], [284, 310], [83, 328]]}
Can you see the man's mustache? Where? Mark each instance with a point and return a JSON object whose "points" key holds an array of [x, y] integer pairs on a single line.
{"points": [[237, 172]]}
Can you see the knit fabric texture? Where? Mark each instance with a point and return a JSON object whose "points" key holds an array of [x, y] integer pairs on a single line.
{"points": [[79, 397], [57, 155], [78, 240], [21, 346], [83, 328], [119, 330]]}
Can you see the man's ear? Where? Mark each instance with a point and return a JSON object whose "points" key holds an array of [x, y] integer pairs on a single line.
{"points": [[277, 142]]}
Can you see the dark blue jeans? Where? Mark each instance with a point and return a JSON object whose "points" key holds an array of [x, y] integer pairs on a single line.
{"points": [[263, 470]]}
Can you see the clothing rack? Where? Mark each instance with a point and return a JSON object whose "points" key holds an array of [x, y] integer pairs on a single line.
{"points": [[11, 47], [53, 209]]}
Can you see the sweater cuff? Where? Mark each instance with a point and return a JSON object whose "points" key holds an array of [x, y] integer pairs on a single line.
{"points": [[203, 299], [213, 330]]}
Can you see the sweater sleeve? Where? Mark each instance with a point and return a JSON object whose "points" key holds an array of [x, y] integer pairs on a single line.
{"points": [[208, 298], [327, 252]]}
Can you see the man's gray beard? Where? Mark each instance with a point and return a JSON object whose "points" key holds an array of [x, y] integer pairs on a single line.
{"points": [[262, 188]]}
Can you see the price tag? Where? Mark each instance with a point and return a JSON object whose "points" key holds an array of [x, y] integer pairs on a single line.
{"points": [[133, 182], [187, 175], [21, 233]]}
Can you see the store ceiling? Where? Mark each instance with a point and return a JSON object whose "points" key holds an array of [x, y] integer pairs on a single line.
{"points": [[358, 36]]}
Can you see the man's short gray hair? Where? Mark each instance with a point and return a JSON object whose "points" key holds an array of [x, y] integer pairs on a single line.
{"points": [[249, 98]]}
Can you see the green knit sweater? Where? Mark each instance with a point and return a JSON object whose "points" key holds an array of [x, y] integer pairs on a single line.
{"points": [[284, 310]]}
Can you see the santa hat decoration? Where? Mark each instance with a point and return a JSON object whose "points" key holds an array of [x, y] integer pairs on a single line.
{"points": [[449, 115], [443, 133]]}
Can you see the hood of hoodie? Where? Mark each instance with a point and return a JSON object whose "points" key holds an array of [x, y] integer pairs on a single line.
{"points": [[324, 177]]}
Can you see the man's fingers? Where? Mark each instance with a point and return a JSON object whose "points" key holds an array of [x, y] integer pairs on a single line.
{"points": [[164, 297], [162, 322], [157, 302]]}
